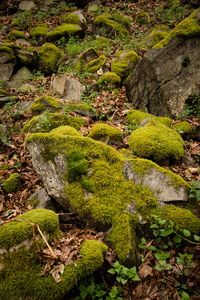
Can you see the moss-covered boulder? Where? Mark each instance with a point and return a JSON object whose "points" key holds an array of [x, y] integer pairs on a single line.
{"points": [[86, 57], [139, 116], [81, 108], [49, 56], [39, 30], [76, 18], [16, 34], [44, 103], [49, 121], [65, 130], [183, 127], [157, 34], [95, 181], [143, 18], [20, 267], [109, 80], [157, 142], [105, 25], [96, 64], [124, 63], [28, 57], [65, 30], [12, 183], [106, 134]]}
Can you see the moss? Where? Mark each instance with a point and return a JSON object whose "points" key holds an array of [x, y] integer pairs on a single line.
{"points": [[49, 56], [109, 77], [188, 28], [3, 93], [9, 51], [43, 103], [33, 201], [82, 106], [105, 132], [174, 5], [183, 218], [65, 130], [157, 36], [12, 183], [186, 61], [72, 19], [143, 18], [157, 142], [106, 19], [39, 30], [4, 167], [183, 127], [139, 116], [36, 124], [77, 164], [15, 22], [94, 65], [124, 66], [63, 30], [16, 34]]}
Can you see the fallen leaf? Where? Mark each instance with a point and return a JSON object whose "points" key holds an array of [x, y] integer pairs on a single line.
{"points": [[55, 272], [144, 271]]}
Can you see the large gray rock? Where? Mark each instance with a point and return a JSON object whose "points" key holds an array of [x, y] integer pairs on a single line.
{"points": [[26, 5], [17, 79], [7, 63], [164, 79]]}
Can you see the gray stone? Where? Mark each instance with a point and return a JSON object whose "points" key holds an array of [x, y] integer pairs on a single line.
{"points": [[28, 87], [94, 7], [69, 88], [26, 58], [7, 64], [161, 82], [40, 199], [26, 5], [4, 99], [25, 105], [17, 79], [22, 42]]}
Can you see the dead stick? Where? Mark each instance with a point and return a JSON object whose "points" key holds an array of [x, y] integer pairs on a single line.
{"points": [[42, 235]]}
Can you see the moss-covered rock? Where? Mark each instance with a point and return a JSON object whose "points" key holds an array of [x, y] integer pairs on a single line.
{"points": [[96, 64], [16, 34], [28, 57], [39, 30], [109, 80], [111, 27], [156, 141], [182, 127], [12, 183], [105, 133], [10, 55], [81, 108], [49, 121], [65, 30], [124, 63], [4, 93], [65, 130], [86, 57], [20, 268], [44, 103], [49, 56], [158, 34], [76, 18], [188, 28], [182, 218], [143, 18], [139, 116], [15, 22]]}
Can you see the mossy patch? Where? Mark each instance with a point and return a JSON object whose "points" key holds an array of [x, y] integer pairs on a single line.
{"points": [[16, 34], [65, 130], [109, 79], [143, 18], [43, 103], [156, 36], [49, 56], [3, 93], [182, 127], [139, 116], [80, 106], [72, 19], [183, 218], [9, 52], [94, 65], [64, 30], [105, 133], [39, 30], [156, 141], [188, 28], [12, 183]]}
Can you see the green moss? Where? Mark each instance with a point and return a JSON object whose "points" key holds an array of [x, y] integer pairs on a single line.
{"points": [[94, 65], [105, 132], [157, 36], [82, 106], [156, 141], [183, 218], [3, 93], [143, 18], [106, 19], [174, 5], [183, 127], [124, 66], [15, 22], [33, 201], [109, 77], [188, 28], [16, 34], [186, 61], [43, 103], [139, 116], [4, 167], [77, 164], [9, 51], [39, 30], [12, 183], [65, 130], [37, 123], [63, 30], [49, 56], [72, 19]]}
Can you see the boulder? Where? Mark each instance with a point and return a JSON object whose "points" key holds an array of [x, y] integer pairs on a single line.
{"points": [[7, 63], [76, 18], [17, 79], [168, 74], [106, 134], [95, 181], [22, 278], [86, 57], [109, 80], [69, 88], [94, 7], [26, 5], [6, 97], [44, 103], [40, 199], [65, 30], [27, 57], [49, 56], [81, 108]]}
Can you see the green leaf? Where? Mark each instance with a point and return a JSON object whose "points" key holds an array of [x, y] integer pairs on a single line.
{"points": [[156, 232], [177, 284], [186, 232], [180, 261], [184, 286], [111, 271], [170, 243], [90, 289], [180, 273], [142, 246], [185, 296], [190, 265], [177, 239], [135, 278], [196, 237], [83, 294], [162, 222], [143, 241], [168, 267], [153, 248], [158, 267], [154, 226], [167, 232]]}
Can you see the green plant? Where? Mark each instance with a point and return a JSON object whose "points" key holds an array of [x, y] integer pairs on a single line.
{"points": [[194, 193], [192, 106], [88, 287], [123, 274], [44, 123]]}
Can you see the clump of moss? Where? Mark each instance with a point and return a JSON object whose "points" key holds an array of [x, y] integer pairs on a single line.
{"points": [[139, 116], [9, 52], [4, 167], [188, 28], [105, 19], [65, 130], [105, 133], [77, 164], [12, 183], [43, 103], [156, 141], [124, 63], [16, 34], [183, 218], [64, 30], [49, 56], [143, 18], [3, 93], [156, 36], [109, 79], [183, 127], [80, 106], [15, 22], [39, 30], [72, 19], [94, 65], [186, 61]]}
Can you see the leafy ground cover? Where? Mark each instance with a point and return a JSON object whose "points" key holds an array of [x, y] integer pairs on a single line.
{"points": [[165, 272]]}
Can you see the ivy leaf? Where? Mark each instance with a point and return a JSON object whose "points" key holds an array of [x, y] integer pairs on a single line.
{"points": [[177, 239], [196, 237], [186, 232]]}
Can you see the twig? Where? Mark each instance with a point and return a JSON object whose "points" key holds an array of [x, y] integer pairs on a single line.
{"points": [[50, 249]]}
